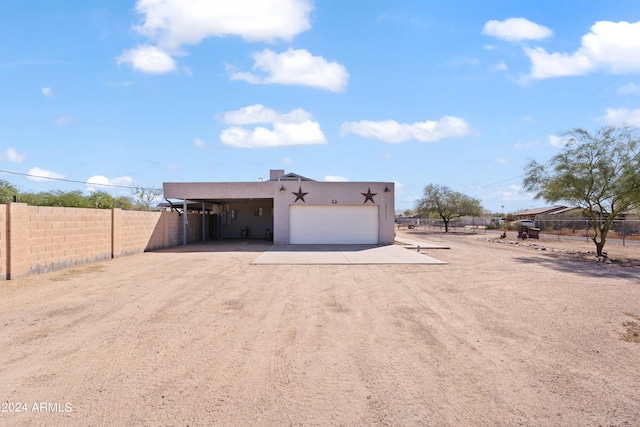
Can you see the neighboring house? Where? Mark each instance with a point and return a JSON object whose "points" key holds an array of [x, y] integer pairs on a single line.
{"points": [[291, 209], [574, 212], [571, 212], [632, 214], [534, 214]]}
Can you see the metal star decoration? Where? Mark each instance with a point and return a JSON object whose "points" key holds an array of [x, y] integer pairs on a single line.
{"points": [[368, 195], [299, 195]]}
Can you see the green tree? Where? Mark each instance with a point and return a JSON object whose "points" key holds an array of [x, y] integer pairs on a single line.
{"points": [[33, 199], [104, 200], [598, 172], [124, 202], [7, 191], [75, 199], [447, 204], [70, 199]]}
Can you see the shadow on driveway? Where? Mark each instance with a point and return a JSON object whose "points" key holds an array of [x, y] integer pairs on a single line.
{"points": [[583, 267], [236, 245]]}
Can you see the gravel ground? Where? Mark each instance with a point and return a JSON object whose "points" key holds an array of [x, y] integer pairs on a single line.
{"points": [[503, 334]]}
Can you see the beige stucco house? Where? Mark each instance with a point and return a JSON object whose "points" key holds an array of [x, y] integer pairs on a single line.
{"points": [[290, 209]]}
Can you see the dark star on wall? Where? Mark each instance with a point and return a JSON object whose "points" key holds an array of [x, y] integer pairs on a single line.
{"points": [[299, 195], [368, 195]]}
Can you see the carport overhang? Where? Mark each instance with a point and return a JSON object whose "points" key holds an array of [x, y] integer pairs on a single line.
{"points": [[216, 193], [219, 190]]}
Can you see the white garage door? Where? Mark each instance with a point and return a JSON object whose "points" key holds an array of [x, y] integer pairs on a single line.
{"points": [[333, 224]]}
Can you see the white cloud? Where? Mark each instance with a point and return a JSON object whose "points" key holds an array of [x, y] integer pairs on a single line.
{"points": [[37, 174], [630, 88], [199, 143], [394, 132], [287, 160], [46, 91], [172, 23], [545, 65], [282, 134], [516, 29], [622, 116], [335, 178], [293, 128], [12, 156], [258, 113], [610, 46], [502, 161], [148, 59], [556, 141], [295, 67], [500, 66], [103, 181]]}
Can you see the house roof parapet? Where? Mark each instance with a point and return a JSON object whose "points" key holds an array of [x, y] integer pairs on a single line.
{"points": [[540, 211], [291, 177]]}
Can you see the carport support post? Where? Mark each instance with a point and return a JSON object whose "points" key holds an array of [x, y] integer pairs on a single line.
{"points": [[203, 221], [184, 222]]}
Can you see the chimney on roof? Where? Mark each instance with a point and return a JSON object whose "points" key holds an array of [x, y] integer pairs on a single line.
{"points": [[274, 174]]}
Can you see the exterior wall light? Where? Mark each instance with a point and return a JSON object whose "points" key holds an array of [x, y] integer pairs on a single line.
{"points": [[386, 189], [282, 190]]}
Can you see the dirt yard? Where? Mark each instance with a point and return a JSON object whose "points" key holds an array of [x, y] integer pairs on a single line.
{"points": [[501, 335]]}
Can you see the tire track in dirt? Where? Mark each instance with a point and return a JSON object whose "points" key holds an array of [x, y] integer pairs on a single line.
{"points": [[414, 363], [121, 339], [172, 381]]}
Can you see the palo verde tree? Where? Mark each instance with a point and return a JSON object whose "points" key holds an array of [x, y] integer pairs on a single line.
{"points": [[447, 204], [598, 171]]}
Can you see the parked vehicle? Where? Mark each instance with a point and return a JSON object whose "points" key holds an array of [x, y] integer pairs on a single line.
{"points": [[526, 232]]}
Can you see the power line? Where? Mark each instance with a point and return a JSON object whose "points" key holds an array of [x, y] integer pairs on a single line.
{"points": [[562, 117], [564, 114], [76, 181], [500, 182]]}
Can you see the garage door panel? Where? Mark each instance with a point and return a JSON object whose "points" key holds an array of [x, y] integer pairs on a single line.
{"points": [[316, 224]]}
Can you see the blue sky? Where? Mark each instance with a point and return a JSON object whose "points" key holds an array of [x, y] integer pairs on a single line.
{"points": [[456, 93]]}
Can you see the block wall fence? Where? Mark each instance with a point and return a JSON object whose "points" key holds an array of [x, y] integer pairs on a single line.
{"points": [[39, 239]]}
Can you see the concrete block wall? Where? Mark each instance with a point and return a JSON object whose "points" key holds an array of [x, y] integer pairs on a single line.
{"points": [[4, 247], [39, 239], [172, 229], [45, 238], [18, 259], [138, 231]]}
